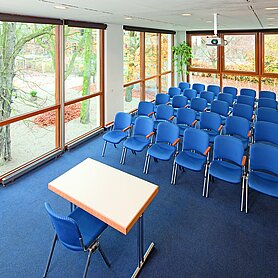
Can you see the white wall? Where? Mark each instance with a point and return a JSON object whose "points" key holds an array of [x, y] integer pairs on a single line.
{"points": [[113, 71]]}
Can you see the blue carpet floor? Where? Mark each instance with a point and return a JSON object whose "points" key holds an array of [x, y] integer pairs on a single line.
{"points": [[194, 236]]}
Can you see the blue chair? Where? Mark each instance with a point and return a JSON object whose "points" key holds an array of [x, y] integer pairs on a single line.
{"points": [[198, 87], [145, 108], [246, 100], [267, 94], [174, 91], [190, 94], [222, 108], [208, 96], [226, 97], [244, 111], [179, 102], [161, 99], [267, 102], [267, 114], [194, 154], [240, 128], [230, 90], [214, 88], [266, 132], [122, 124], [228, 162], [263, 174], [185, 118], [199, 105], [184, 85], [210, 122], [142, 132], [248, 92], [165, 146], [164, 113], [79, 231]]}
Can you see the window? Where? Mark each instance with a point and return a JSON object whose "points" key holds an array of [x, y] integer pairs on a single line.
{"points": [[151, 54], [165, 53], [241, 81], [204, 78], [271, 53]]}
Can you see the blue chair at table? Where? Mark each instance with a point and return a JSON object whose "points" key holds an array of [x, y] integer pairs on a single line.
{"points": [[210, 122], [179, 102], [199, 105], [174, 91], [248, 92], [142, 132], [230, 90], [208, 96], [79, 231], [122, 124], [267, 114], [194, 154], [263, 174], [184, 85], [244, 111], [227, 98], [267, 94], [246, 100], [164, 113], [145, 108], [228, 163], [215, 89], [199, 87], [165, 146], [222, 108], [189, 93], [240, 128], [161, 99], [266, 132], [185, 119], [267, 102]]}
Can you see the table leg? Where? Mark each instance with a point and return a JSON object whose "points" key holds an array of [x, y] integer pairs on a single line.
{"points": [[140, 247]]}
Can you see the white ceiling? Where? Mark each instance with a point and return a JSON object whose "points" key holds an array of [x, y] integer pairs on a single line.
{"points": [[233, 14]]}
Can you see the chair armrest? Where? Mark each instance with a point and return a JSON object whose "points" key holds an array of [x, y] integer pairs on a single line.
{"points": [[150, 114], [205, 109], [207, 150], [243, 160], [194, 122], [249, 133], [176, 142], [168, 103], [127, 128], [220, 128], [149, 135], [253, 117], [171, 118], [185, 106]]}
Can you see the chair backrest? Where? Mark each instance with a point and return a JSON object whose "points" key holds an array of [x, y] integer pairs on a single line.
{"points": [[264, 157], [210, 120], [267, 102], [226, 97], [248, 92], [66, 229], [145, 108], [243, 110], [228, 148], [208, 95], [166, 133], [195, 139], [143, 126], [198, 104], [122, 120], [237, 126], [198, 87], [189, 93], [184, 85], [220, 107], [179, 101], [161, 98], [186, 116], [214, 88], [267, 94], [246, 100], [266, 132], [230, 90], [267, 114], [174, 91], [164, 112]]}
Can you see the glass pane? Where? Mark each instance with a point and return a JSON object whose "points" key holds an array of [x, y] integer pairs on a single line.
{"points": [[270, 84], [271, 53], [27, 67], [165, 82], [131, 56], [81, 62], [203, 56], [204, 78], [239, 82], [240, 52], [82, 117], [131, 97], [151, 87], [151, 54], [165, 52], [26, 140]]}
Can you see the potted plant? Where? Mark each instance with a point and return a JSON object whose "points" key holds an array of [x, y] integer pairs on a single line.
{"points": [[33, 95], [182, 55]]}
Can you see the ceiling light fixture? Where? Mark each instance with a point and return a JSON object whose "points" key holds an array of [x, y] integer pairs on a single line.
{"points": [[186, 14], [61, 7], [272, 8], [270, 18], [128, 17]]}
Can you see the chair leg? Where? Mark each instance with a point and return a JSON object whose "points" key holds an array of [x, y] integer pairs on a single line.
{"points": [[207, 186], [246, 195], [242, 192], [104, 256], [50, 255], [174, 173], [87, 263], [104, 148], [147, 163], [205, 179], [122, 160]]}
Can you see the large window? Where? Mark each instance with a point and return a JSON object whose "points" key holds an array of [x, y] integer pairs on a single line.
{"points": [[151, 54], [271, 53]]}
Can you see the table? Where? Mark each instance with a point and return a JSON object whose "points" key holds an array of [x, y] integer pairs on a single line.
{"points": [[115, 197]]}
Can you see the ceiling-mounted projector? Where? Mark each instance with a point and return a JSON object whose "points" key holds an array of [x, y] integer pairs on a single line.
{"points": [[215, 41]]}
